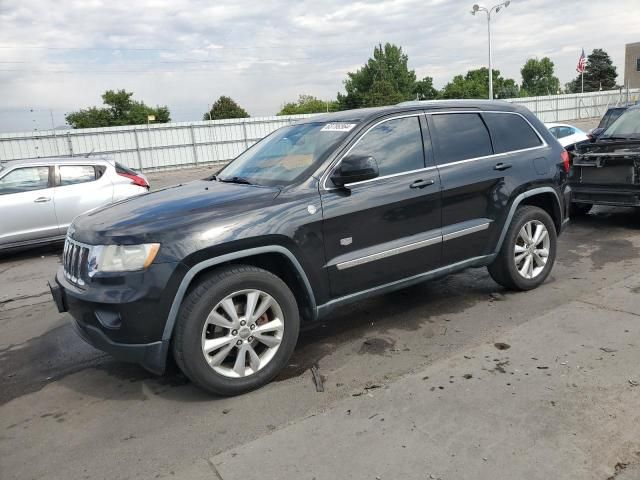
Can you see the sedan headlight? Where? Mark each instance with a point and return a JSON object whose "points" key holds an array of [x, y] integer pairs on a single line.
{"points": [[122, 258]]}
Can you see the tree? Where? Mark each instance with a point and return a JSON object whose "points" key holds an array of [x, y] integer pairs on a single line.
{"points": [[599, 74], [225, 107], [120, 110], [308, 104], [475, 84], [538, 78], [384, 80], [424, 89]]}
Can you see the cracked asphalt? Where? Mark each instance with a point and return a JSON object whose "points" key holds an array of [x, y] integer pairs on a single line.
{"points": [[69, 411]]}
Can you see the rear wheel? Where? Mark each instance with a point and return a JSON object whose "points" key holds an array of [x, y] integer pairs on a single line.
{"points": [[236, 330], [579, 209], [528, 251]]}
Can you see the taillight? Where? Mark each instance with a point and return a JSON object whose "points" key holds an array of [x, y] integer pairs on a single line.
{"points": [[565, 160], [135, 179]]}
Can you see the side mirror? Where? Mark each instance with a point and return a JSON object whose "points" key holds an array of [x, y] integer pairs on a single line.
{"points": [[355, 168]]}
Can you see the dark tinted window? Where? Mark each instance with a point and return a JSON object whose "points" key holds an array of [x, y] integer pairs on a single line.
{"points": [[24, 180], [461, 136], [72, 174], [512, 132], [610, 117], [396, 145], [100, 169], [122, 169]]}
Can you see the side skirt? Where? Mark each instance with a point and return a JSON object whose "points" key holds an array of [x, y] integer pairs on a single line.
{"points": [[326, 308]]}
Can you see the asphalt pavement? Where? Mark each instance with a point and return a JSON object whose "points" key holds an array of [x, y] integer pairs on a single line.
{"points": [[453, 379]]}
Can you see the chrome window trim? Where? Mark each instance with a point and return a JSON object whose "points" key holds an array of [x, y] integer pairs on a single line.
{"points": [[544, 144], [336, 162], [426, 169], [411, 246]]}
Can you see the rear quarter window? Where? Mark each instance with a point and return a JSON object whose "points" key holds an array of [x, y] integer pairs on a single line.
{"points": [[511, 132]]}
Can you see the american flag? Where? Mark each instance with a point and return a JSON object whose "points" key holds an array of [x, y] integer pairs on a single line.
{"points": [[581, 62]]}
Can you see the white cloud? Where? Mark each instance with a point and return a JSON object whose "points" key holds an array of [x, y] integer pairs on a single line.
{"points": [[186, 53]]}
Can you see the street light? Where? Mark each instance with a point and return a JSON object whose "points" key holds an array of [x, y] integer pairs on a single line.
{"points": [[496, 8]]}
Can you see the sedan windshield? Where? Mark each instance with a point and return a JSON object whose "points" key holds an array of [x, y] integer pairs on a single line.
{"points": [[625, 127], [286, 155]]}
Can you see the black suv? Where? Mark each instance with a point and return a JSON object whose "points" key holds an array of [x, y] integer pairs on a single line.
{"points": [[223, 272]]}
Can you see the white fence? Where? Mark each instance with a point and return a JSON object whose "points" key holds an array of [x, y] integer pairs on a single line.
{"points": [[180, 145], [560, 108]]}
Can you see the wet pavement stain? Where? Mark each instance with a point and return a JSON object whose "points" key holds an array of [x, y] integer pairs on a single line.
{"points": [[376, 346]]}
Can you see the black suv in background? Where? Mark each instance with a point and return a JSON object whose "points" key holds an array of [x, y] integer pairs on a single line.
{"points": [[223, 272]]}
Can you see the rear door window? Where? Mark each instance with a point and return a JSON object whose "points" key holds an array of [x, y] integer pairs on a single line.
{"points": [[24, 180], [74, 174], [460, 136], [511, 132], [395, 144]]}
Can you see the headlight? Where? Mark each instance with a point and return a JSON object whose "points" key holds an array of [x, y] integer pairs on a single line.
{"points": [[122, 258]]}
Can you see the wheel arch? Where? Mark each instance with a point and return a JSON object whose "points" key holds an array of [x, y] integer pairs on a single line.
{"points": [[545, 198], [274, 258]]}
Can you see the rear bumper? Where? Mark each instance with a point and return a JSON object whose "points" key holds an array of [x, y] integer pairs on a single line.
{"points": [[625, 197]]}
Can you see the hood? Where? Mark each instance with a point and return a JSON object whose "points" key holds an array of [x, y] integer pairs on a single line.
{"points": [[170, 208]]}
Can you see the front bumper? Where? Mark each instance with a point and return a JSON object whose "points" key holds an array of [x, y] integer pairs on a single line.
{"points": [[124, 322]]}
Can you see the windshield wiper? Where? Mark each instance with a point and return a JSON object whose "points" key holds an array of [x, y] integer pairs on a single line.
{"points": [[614, 137], [240, 180]]}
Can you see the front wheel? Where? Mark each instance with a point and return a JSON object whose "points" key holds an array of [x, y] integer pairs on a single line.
{"points": [[528, 252], [236, 330]]}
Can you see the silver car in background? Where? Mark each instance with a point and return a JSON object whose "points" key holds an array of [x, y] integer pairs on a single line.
{"points": [[40, 197]]}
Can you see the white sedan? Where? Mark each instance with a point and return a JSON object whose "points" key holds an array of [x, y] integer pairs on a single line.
{"points": [[567, 135]]}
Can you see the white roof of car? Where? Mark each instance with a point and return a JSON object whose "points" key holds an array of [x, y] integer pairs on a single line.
{"points": [[549, 125], [56, 161]]}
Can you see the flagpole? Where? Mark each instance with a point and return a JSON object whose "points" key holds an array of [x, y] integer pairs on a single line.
{"points": [[582, 75]]}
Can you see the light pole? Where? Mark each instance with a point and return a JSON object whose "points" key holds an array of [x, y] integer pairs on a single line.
{"points": [[495, 9]]}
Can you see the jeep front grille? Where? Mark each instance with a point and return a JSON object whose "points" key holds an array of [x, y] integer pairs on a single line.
{"points": [[75, 261]]}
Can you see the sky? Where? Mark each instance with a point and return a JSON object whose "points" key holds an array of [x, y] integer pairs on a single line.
{"points": [[56, 57]]}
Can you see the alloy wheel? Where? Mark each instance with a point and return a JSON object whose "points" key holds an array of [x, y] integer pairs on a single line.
{"points": [[531, 251], [242, 333]]}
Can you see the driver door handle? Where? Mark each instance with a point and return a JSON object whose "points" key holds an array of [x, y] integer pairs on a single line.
{"points": [[502, 166], [421, 183], [42, 200]]}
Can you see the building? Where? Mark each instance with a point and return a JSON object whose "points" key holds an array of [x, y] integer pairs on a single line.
{"points": [[632, 65]]}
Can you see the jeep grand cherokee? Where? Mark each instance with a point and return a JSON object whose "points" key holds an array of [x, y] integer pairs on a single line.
{"points": [[223, 272]]}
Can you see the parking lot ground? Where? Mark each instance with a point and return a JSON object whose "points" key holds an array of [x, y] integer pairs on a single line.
{"points": [[69, 411]]}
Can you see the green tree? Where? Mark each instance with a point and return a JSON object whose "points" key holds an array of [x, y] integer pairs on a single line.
{"points": [[223, 108], [424, 89], [599, 74], [475, 84], [538, 78], [120, 109], [384, 80], [308, 104]]}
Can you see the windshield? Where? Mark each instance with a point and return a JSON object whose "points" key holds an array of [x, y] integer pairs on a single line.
{"points": [[627, 126], [287, 154]]}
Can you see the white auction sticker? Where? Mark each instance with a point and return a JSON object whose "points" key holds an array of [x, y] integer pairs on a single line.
{"points": [[338, 127]]}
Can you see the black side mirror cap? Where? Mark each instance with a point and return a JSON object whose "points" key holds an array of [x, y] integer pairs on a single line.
{"points": [[355, 168]]}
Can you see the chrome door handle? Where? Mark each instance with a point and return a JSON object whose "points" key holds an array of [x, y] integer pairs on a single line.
{"points": [[42, 200], [502, 166], [421, 183]]}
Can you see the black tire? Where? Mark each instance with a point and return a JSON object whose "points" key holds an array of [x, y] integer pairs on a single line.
{"points": [[503, 269], [579, 209], [197, 305]]}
